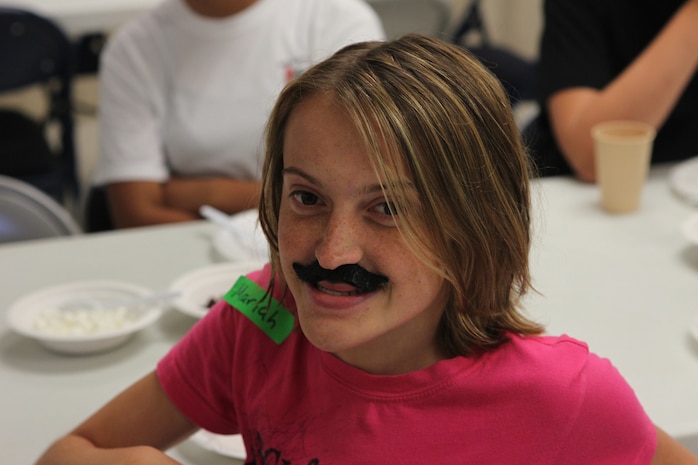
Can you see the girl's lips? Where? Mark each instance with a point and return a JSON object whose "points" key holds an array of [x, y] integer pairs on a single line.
{"points": [[336, 288], [336, 296]]}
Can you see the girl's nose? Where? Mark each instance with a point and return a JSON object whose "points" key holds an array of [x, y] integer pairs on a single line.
{"points": [[340, 243]]}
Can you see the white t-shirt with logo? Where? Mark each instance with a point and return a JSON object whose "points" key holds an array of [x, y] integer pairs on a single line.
{"points": [[189, 95]]}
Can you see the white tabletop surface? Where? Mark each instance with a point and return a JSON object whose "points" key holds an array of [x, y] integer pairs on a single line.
{"points": [[42, 394], [628, 285]]}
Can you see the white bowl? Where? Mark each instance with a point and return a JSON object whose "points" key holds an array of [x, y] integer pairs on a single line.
{"points": [[24, 314], [208, 284]]}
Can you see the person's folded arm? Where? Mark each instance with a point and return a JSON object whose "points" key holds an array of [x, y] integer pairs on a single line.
{"points": [[647, 91], [143, 203], [134, 428], [226, 194]]}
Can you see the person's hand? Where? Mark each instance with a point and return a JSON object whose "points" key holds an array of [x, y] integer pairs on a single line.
{"points": [[74, 450], [134, 428]]}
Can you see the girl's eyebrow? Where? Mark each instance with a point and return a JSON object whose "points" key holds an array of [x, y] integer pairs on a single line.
{"points": [[368, 190], [302, 174]]}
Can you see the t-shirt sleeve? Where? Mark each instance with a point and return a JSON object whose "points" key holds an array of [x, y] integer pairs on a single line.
{"points": [[198, 374], [611, 426], [130, 144]]}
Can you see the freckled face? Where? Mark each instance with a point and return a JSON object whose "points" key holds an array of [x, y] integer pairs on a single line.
{"points": [[333, 211]]}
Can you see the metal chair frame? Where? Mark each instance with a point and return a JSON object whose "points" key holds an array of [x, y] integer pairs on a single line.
{"points": [[516, 73], [28, 213]]}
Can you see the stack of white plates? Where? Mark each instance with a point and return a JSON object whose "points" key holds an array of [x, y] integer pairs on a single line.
{"points": [[201, 288]]}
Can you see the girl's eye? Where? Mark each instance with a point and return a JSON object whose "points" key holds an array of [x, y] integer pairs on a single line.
{"points": [[304, 197], [387, 208]]}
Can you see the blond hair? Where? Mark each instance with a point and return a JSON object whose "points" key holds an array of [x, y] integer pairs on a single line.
{"points": [[430, 109]]}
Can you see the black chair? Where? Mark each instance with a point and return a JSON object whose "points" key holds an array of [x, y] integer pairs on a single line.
{"points": [[35, 51], [97, 210], [516, 73]]}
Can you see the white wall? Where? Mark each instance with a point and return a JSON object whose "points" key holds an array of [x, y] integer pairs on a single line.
{"points": [[513, 23]]}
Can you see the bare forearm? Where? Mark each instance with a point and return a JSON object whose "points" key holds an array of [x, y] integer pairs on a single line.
{"points": [[671, 452], [74, 450], [133, 428], [647, 90], [143, 203], [226, 194]]}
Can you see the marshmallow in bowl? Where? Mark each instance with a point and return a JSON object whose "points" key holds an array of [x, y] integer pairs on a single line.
{"points": [[82, 321]]}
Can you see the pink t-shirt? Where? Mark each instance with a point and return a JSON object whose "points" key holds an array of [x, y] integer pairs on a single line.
{"points": [[534, 400]]}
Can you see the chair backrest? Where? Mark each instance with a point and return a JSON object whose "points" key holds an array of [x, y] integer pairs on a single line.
{"points": [[516, 73], [34, 50], [27, 213]]}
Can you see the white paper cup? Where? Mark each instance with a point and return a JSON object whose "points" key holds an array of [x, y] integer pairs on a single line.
{"points": [[622, 151]]}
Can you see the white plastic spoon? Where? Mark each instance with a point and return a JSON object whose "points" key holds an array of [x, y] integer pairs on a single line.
{"points": [[218, 217], [130, 303]]}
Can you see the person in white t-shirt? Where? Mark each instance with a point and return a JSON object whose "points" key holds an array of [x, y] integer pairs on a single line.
{"points": [[185, 92]]}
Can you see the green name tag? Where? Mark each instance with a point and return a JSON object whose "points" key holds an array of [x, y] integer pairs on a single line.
{"points": [[261, 308]]}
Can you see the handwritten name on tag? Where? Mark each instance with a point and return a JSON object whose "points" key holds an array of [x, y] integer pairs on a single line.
{"points": [[261, 308]]}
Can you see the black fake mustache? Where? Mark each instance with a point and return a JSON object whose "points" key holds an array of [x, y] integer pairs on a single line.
{"points": [[362, 279]]}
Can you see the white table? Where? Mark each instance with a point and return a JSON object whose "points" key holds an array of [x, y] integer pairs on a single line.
{"points": [[628, 285], [43, 395]]}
